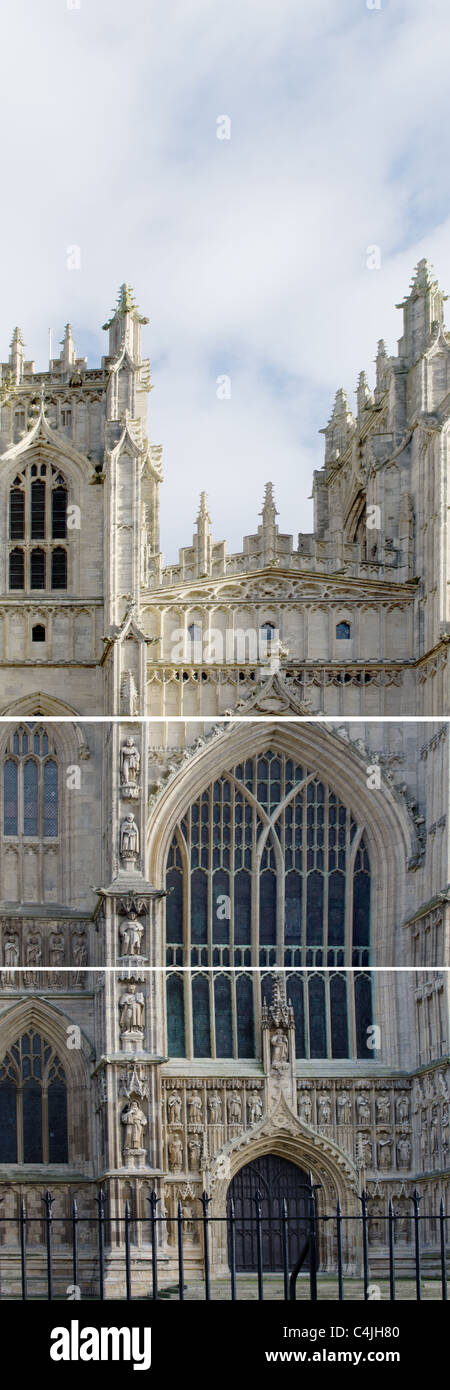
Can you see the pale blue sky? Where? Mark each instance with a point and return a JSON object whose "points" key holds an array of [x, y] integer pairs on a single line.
{"points": [[248, 254]]}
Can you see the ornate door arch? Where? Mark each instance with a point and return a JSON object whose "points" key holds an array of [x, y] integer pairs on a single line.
{"points": [[277, 1179]]}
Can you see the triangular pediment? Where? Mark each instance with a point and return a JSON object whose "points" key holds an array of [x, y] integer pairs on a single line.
{"points": [[274, 696]]}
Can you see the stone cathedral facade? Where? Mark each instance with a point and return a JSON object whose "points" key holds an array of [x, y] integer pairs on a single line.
{"points": [[207, 890]]}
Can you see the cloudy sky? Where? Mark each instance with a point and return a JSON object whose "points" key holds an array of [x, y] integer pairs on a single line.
{"points": [[248, 254]]}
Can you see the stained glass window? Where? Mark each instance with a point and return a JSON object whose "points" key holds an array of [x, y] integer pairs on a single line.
{"points": [[30, 785], [38, 502], [33, 1103], [277, 874]]}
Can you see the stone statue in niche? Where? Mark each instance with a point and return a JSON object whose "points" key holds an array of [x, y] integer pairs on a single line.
{"points": [[234, 1110], [129, 838], [135, 1123], [363, 1108], [383, 1107], [57, 949], [215, 1108], [343, 1106], [324, 1110], [254, 1109], [131, 933], [132, 1011], [424, 1143], [79, 947], [194, 1103], [434, 1132], [402, 1107], [174, 1108], [175, 1155], [194, 1149], [130, 761], [33, 958], [403, 1151], [305, 1107], [10, 957], [384, 1152], [279, 1049]]}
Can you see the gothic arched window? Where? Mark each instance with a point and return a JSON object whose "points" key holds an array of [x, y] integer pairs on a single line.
{"points": [[38, 512], [30, 784], [268, 868], [343, 630], [33, 1103]]}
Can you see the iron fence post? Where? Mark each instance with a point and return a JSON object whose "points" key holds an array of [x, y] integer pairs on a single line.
{"points": [[339, 1250], [284, 1236], [232, 1229], [127, 1250], [48, 1202], [443, 1255], [100, 1199], [23, 1247], [180, 1251], [75, 1243], [391, 1220], [152, 1199], [365, 1239], [257, 1200], [416, 1199], [205, 1200], [312, 1238]]}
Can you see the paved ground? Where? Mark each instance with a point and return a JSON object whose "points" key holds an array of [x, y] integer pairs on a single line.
{"points": [[247, 1290]]}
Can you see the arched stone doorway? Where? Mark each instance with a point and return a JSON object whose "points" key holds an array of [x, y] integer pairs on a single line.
{"points": [[277, 1180]]}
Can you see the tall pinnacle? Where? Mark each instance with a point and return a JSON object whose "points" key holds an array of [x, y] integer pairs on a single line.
{"points": [[269, 529], [269, 511], [16, 355], [202, 538], [68, 354]]}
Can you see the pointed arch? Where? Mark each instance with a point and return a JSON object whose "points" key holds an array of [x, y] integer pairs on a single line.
{"points": [[53, 1026], [389, 830]]}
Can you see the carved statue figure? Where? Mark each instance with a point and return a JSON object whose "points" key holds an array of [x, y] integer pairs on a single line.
{"points": [[234, 1109], [194, 1103], [383, 1104], [135, 1122], [402, 1106], [79, 947], [215, 1108], [174, 1108], [403, 1151], [305, 1106], [130, 761], [56, 948], [129, 837], [11, 957], [194, 1149], [279, 1047], [343, 1107], [324, 1110], [175, 1154], [131, 933], [132, 1011], [254, 1109], [363, 1109], [384, 1152]]}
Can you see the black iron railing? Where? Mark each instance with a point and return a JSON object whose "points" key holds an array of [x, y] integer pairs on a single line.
{"points": [[155, 1229]]}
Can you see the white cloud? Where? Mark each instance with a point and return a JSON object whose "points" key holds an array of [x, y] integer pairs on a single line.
{"points": [[249, 255]]}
